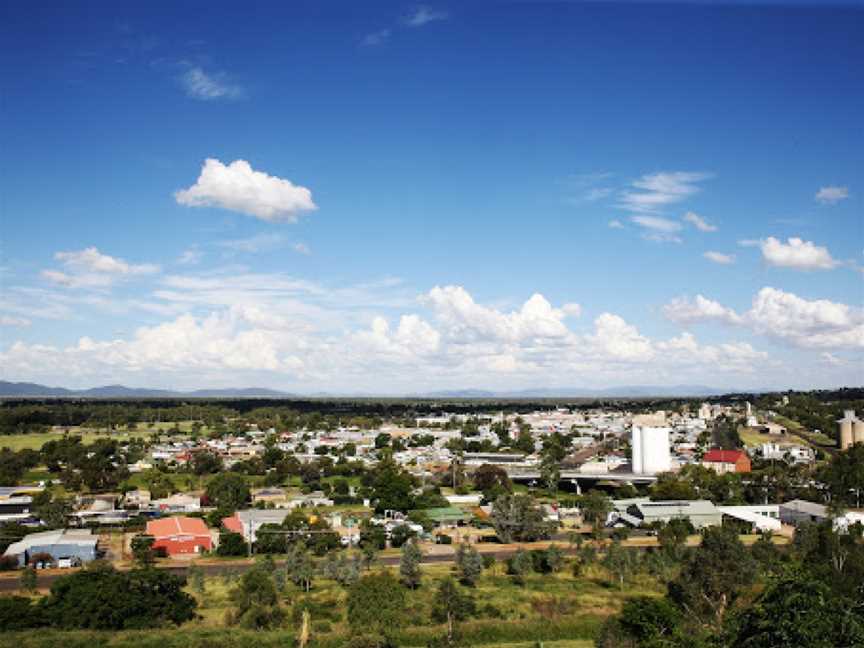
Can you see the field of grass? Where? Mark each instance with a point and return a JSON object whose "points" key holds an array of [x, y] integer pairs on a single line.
{"points": [[35, 441], [559, 610], [552, 607]]}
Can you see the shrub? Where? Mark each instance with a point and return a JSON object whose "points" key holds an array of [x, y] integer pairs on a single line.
{"points": [[322, 627]]}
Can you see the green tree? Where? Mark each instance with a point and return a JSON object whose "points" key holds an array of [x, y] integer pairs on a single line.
{"points": [[231, 544], [299, 566], [206, 463], [715, 575], [518, 518], [29, 579], [595, 506], [844, 476], [227, 491], [102, 598], [492, 481], [392, 487], [142, 549], [644, 622], [621, 562], [451, 605], [670, 486], [256, 601], [409, 565], [376, 604], [469, 564], [797, 610], [195, 575], [519, 565]]}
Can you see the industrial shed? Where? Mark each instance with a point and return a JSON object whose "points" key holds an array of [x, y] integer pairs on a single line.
{"points": [[67, 548]]}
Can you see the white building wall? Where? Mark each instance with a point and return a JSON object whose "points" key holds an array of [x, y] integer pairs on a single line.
{"points": [[651, 453], [636, 448]]}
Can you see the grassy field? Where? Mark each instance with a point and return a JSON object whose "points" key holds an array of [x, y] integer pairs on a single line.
{"points": [[559, 610], [559, 603], [35, 441]]}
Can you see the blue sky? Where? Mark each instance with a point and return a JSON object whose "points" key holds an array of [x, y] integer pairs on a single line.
{"points": [[406, 197]]}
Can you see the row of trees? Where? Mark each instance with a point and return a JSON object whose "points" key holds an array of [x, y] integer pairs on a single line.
{"points": [[726, 595]]}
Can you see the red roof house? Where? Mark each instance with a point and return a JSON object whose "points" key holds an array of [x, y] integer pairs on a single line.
{"points": [[726, 461], [180, 535], [233, 523]]}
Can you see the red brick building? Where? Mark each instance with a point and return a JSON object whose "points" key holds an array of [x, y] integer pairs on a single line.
{"points": [[180, 535], [727, 461]]}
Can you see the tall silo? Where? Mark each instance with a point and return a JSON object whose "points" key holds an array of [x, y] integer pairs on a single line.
{"points": [[858, 431], [656, 457], [636, 448], [847, 434], [650, 446]]}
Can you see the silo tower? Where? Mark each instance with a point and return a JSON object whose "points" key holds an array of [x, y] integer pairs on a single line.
{"points": [[847, 429]]}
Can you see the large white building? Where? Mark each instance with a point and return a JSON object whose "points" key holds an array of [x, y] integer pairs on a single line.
{"points": [[650, 449]]}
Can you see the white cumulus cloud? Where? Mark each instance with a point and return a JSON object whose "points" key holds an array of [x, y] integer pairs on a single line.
{"points": [[699, 309], [797, 254], [807, 324], [91, 268], [238, 187]]}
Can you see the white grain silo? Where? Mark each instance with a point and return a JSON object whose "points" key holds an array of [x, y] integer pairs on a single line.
{"points": [[636, 449], [847, 429], [650, 447], [857, 431]]}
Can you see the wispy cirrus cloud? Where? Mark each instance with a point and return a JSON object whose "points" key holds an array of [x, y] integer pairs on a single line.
{"points": [[652, 192], [209, 87], [658, 229], [424, 15], [719, 257], [832, 194], [376, 38], [698, 222]]}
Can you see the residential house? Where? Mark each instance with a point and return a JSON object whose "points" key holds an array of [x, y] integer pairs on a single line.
{"points": [[180, 535], [270, 495], [137, 499], [248, 521], [178, 503], [727, 461]]}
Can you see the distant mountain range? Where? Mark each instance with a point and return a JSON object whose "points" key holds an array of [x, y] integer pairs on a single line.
{"points": [[633, 391], [33, 390], [22, 389]]}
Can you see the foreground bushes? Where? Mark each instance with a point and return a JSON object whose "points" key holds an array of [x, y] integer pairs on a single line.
{"points": [[102, 598]]}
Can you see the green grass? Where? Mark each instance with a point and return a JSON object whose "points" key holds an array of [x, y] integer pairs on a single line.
{"points": [[526, 615], [36, 440]]}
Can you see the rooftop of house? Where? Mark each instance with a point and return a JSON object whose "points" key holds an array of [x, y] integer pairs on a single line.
{"points": [[724, 456], [171, 526]]}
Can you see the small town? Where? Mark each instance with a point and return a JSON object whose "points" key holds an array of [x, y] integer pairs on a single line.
{"points": [[625, 491], [432, 324]]}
